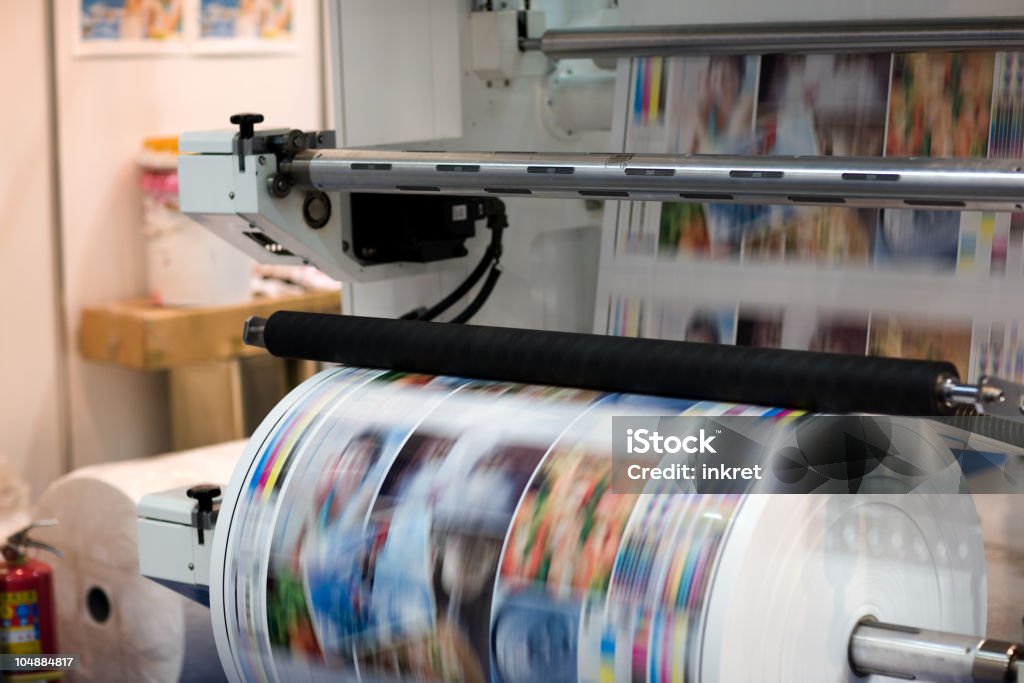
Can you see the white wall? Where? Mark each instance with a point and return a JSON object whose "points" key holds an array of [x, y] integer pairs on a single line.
{"points": [[106, 107], [30, 390]]}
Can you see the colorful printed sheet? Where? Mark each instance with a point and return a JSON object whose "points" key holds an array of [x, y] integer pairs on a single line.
{"points": [[396, 526], [914, 283]]}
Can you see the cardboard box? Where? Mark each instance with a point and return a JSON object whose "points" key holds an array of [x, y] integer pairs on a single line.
{"points": [[224, 400], [142, 336]]}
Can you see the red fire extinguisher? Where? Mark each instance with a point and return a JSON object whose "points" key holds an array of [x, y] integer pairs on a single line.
{"points": [[28, 617]]}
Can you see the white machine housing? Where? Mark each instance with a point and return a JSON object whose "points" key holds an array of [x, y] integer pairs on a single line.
{"points": [[233, 200], [170, 549]]}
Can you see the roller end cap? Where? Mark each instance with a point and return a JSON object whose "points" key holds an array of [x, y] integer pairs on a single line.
{"points": [[253, 332]]}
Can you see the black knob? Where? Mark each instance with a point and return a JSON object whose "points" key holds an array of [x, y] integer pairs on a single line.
{"points": [[204, 494], [246, 124]]}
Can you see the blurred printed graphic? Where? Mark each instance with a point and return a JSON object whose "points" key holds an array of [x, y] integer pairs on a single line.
{"points": [[682, 322], [568, 526], [814, 235], [939, 104], [130, 20], [246, 19], [918, 236], [763, 262], [825, 105], [535, 639], [759, 327], [911, 337]]}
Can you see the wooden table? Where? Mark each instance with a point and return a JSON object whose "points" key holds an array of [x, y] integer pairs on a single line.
{"points": [[219, 388]]}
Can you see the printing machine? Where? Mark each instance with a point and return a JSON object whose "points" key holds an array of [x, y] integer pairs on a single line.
{"points": [[296, 197]]}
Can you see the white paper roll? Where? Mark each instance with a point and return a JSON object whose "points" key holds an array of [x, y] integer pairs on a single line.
{"points": [[393, 527], [124, 626], [799, 572]]}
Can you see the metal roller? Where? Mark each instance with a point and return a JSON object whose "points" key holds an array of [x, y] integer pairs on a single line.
{"points": [[804, 38], [922, 655], [957, 184]]}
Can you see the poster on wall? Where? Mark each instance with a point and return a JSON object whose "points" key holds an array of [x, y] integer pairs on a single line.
{"points": [[112, 27], [250, 26]]}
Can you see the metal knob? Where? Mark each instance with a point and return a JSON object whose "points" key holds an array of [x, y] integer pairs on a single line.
{"points": [[204, 495], [246, 123]]}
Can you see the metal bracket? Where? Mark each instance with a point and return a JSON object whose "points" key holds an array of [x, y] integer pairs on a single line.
{"points": [[990, 396], [1001, 397]]}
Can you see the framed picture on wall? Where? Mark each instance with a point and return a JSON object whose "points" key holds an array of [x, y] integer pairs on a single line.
{"points": [[246, 26], [115, 27]]}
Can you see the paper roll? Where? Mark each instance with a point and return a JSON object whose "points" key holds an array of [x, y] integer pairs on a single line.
{"points": [[384, 526], [799, 573], [124, 626]]}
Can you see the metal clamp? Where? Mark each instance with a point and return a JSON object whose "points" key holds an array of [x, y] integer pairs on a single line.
{"points": [[205, 513]]}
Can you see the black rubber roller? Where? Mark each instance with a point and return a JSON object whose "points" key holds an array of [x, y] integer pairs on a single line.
{"points": [[824, 382]]}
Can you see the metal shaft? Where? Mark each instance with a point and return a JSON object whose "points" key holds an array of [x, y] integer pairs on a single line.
{"points": [[934, 656], [1005, 33], [866, 182]]}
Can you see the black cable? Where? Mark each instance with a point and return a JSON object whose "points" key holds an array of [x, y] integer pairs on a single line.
{"points": [[481, 297], [497, 221], [414, 314], [488, 259], [444, 304]]}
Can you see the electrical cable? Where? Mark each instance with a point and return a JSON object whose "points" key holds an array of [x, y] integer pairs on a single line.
{"points": [[481, 298], [424, 313], [497, 221]]}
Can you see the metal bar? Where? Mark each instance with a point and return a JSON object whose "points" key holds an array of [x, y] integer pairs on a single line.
{"points": [[956, 184], [1003, 33], [923, 655]]}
